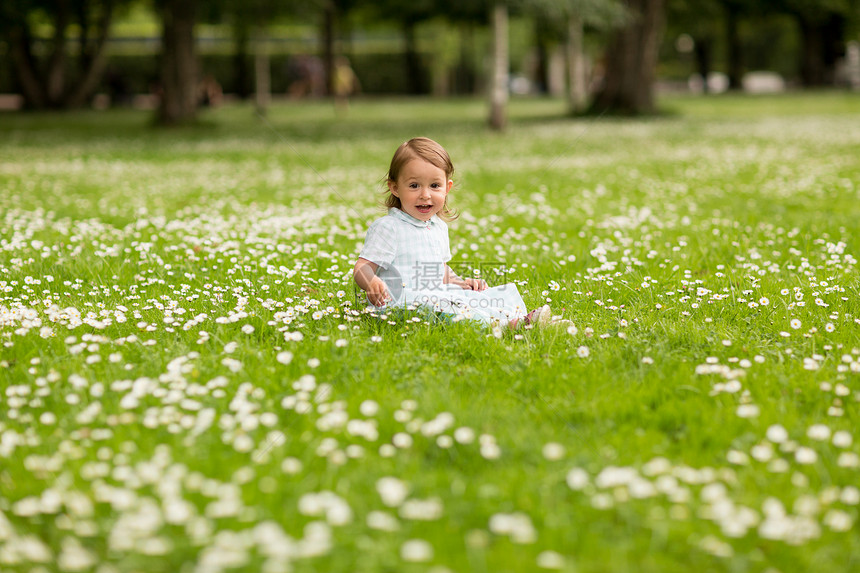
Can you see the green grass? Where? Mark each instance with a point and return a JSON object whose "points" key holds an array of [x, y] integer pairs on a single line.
{"points": [[148, 279]]}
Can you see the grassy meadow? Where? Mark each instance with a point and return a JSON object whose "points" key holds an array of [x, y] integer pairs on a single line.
{"points": [[190, 383]]}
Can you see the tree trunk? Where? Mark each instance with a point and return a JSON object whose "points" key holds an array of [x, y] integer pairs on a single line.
{"points": [[25, 68], [541, 77], [412, 60], [96, 61], [262, 72], [822, 46], [328, 30], [55, 85], [811, 64], [85, 55], [441, 66], [178, 63], [631, 62], [499, 84], [703, 54], [464, 73], [241, 73], [733, 44], [51, 88], [577, 88], [834, 44]]}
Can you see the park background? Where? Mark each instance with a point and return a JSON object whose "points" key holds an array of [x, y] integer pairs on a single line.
{"points": [[190, 382], [607, 56]]}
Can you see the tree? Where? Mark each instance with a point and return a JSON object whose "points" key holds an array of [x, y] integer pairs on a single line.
{"points": [[408, 15], [567, 19], [49, 82], [249, 21], [631, 62], [333, 12], [734, 10], [701, 20], [500, 67], [179, 72], [822, 25]]}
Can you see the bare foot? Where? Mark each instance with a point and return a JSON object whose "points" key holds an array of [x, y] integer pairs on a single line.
{"points": [[541, 316]]}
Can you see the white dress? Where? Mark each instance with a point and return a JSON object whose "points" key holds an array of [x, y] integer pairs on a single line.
{"points": [[412, 254]]}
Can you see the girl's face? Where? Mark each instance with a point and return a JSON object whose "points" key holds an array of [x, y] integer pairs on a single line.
{"points": [[421, 188]]}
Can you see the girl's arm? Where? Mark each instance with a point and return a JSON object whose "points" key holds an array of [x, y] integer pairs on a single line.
{"points": [[465, 284], [365, 277]]}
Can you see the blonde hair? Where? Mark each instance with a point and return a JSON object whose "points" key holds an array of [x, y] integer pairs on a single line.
{"points": [[431, 152]]}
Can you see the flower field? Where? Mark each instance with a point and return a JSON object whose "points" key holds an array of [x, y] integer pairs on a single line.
{"points": [[189, 381]]}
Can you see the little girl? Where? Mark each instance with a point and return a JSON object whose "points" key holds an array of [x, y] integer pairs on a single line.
{"points": [[405, 254]]}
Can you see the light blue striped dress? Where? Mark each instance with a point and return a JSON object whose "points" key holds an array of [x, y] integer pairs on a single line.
{"points": [[412, 255]]}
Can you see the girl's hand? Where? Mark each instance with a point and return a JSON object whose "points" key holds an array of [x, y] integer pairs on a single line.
{"points": [[475, 284], [377, 292]]}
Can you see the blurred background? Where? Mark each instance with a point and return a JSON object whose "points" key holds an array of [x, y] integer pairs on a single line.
{"points": [[175, 57]]}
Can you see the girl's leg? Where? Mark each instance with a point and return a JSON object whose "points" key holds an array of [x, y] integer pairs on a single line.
{"points": [[542, 315]]}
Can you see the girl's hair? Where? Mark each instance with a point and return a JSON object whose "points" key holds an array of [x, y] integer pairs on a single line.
{"points": [[429, 151]]}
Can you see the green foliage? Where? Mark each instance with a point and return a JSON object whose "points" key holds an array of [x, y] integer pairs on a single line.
{"points": [[161, 412], [596, 13]]}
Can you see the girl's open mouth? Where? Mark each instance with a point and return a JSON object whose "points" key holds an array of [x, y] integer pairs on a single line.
{"points": [[424, 208]]}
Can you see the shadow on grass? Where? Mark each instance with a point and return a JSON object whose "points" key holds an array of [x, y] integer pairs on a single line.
{"points": [[385, 119], [306, 121]]}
